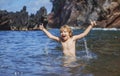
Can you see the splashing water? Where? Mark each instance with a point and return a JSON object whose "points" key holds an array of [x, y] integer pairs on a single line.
{"points": [[88, 54]]}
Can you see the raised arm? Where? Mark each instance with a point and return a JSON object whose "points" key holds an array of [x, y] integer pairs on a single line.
{"points": [[79, 36], [41, 27]]}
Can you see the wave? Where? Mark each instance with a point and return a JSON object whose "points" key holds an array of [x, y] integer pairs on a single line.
{"points": [[104, 29], [107, 29]]}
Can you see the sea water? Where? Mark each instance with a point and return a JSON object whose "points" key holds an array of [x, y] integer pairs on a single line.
{"points": [[32, 53]]}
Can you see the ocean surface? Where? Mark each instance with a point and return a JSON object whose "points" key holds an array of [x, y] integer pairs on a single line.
{"points": [[32, 53]]}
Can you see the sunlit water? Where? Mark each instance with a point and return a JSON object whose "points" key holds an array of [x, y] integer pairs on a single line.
{"points": [[32, 53]]}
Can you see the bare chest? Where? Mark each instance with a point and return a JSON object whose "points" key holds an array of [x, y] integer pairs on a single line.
{"points": [[68, 45]]}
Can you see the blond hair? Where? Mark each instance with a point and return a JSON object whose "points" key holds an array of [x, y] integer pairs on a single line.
{"points": [[68, 29]]}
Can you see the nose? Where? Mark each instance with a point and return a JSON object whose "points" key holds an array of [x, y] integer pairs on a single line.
{"points": [[63, 33]]}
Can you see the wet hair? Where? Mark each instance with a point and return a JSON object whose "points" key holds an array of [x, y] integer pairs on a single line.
{"points": [[68, 29]]}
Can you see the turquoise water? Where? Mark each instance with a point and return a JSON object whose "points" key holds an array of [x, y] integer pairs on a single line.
{"points": [[32, 53]]}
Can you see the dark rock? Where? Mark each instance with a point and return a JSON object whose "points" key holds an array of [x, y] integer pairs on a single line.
{"points": [[79, 12], [21, 20]]}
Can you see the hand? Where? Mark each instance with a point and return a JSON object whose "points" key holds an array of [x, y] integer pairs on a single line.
{"points": [[41, 27], [93, 23]]}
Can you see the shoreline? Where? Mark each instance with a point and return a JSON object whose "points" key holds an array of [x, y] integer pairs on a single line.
{"points": [[73, 28]]}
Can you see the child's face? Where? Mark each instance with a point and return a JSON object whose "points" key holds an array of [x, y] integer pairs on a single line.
{"points": [[65, 34]]}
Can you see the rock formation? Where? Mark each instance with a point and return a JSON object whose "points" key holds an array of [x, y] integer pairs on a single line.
{"points": [[21, 20], [72, 12], [79, 12]]}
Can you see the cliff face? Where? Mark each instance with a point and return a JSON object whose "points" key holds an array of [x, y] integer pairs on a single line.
{"points": [[79, 12]]}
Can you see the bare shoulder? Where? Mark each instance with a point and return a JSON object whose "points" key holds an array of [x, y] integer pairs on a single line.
{"points": [[79, 36]]}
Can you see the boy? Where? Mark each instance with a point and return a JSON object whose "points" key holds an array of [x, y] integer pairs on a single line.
{"points": [[66, 39]]}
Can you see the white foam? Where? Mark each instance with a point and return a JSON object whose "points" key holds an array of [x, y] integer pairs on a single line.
{"points": [[107, 29]]}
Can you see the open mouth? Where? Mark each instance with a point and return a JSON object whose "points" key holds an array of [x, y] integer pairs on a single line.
{"points": [[63, 36]]}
